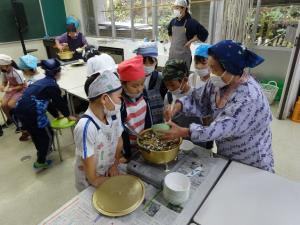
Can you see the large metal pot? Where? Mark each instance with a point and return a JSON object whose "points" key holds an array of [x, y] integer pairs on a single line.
{"points": [[158, 157], [66, 55]]}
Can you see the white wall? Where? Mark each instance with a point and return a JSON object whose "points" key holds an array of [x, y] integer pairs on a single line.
{"points": [[14, 49], [73, 8], [275, 64]]}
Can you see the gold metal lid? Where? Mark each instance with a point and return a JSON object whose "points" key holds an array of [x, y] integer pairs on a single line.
{"points": [[119, 195]]}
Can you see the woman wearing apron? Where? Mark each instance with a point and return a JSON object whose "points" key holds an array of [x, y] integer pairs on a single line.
{"points": [[183, 30]]}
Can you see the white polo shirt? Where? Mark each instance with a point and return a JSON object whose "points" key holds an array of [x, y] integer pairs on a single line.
{"points": [[100, 143]]}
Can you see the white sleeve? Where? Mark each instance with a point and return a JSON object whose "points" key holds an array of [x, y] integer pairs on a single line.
{"points": [[85, 137]]}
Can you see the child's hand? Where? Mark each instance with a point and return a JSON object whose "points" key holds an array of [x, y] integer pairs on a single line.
{"points": [[170, 111], [2, 88], [113, 171], [9, 90]]}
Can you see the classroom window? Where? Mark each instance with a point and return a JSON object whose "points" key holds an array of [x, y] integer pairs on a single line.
{"points": [[142, 14], [149, 18], [277, 23]]}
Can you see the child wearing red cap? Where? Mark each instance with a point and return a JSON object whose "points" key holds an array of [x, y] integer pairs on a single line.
{"points": [[135, 111]]}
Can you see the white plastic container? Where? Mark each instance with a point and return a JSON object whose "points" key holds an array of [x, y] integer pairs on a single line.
{"points": [[186, 146], [176, 188]]}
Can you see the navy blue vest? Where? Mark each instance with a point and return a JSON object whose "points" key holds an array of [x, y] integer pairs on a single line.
{"points": [[30, 103]]}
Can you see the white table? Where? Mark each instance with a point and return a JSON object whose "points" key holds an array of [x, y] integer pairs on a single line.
{"points": [[154, 210], [72, 77], [79, 92], [248, 196]]}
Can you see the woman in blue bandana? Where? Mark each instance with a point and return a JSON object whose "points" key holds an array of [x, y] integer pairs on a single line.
{"points": [[240, 111]]}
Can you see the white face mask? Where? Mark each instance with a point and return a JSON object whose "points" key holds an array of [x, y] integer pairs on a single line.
{"points": [[176, 13], [133, 95], [202, 72], [178, 93], [218, 81], [149, 69], [117, 109]]}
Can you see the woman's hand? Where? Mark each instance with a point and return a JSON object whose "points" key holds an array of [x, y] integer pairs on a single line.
{"points": [[113, 171], [170, 111], [2, 88], [188, 44], [61, 47], [176, 132]]}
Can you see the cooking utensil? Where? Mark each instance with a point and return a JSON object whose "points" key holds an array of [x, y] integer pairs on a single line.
{"points": [[176, 188], [119, 195], [132, 131], [158, 157], [65, 55]]}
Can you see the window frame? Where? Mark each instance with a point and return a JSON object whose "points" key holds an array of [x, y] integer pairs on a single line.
{"points": [[155, 20]]}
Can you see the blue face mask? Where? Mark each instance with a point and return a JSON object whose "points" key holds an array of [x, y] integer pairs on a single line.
{"points": [[149, 69]]}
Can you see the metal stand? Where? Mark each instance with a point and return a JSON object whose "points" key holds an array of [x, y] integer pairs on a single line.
{"points": [[58, 145]]}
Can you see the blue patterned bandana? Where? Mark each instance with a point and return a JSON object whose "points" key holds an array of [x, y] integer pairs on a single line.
{"points": [[234, 57]]}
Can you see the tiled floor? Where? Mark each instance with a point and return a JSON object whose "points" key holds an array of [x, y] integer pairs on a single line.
{"points": [[27, 198]]}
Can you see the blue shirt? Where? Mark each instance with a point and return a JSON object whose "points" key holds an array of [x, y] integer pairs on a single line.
{"points": [[193, 27]]}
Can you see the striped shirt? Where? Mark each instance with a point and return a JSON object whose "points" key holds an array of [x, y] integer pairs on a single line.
{"points": [[136, 114]]}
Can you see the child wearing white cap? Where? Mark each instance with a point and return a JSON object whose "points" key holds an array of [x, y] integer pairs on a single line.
{"points": [[98, 134], [13, 84]]}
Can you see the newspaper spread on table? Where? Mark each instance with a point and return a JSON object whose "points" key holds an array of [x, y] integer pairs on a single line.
{"points": [[153, 211]]}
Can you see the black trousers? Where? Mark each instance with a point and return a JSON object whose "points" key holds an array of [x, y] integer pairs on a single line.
{"points": [[41, 137]]}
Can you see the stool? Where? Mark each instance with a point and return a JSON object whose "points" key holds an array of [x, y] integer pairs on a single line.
{"points": [[57, 125], [2, 113]]}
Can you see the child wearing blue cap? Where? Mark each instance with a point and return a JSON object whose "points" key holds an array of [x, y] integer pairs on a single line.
{"points": [[154, 87], [28, 64], [202, 72]]}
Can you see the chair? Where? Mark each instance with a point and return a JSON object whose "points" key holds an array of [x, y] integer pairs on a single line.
{"points": [[2, 113], [57, 125]]}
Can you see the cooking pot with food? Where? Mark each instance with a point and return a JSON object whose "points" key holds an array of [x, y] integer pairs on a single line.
{"points": [[155, 150], [65, 55]]}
